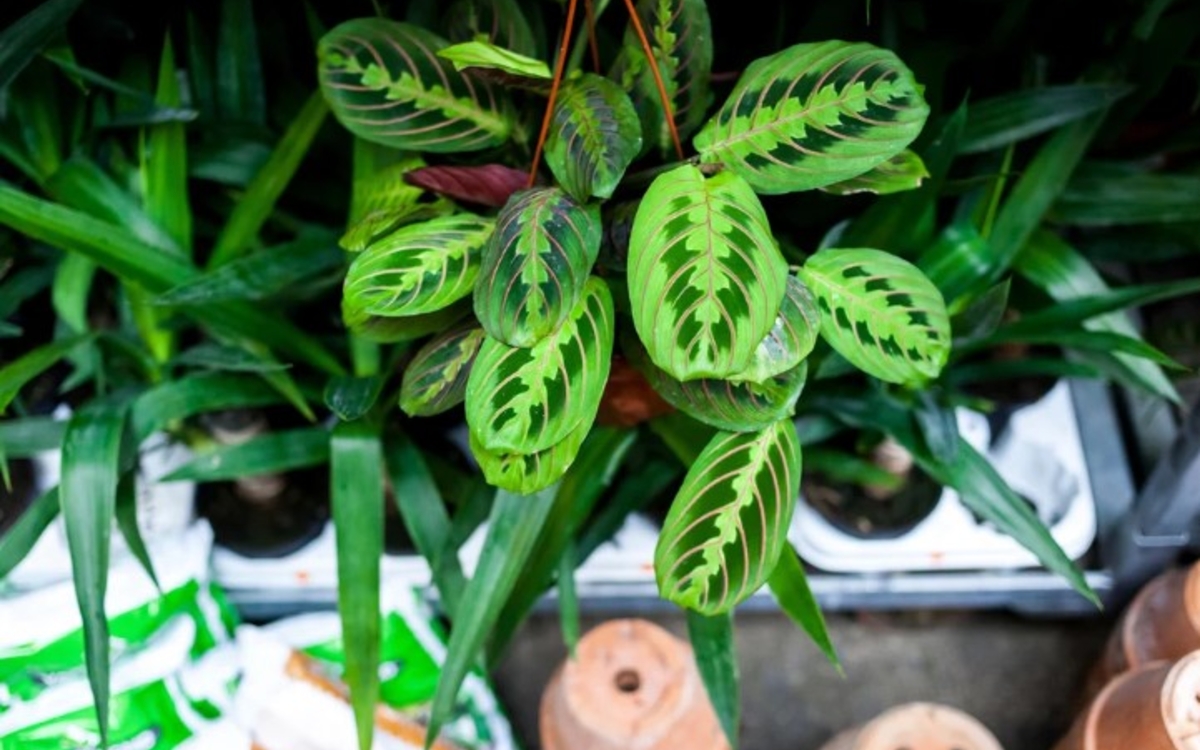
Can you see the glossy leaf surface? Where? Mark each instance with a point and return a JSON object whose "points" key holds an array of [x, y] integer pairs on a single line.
{"points": [[706, 279], [790, 340], [904, 171], [728, 525], [594, 136], [880, 313], [535, 265], [526, 400], [385, 83], [420, 268], [436, 379], [813, 115]]}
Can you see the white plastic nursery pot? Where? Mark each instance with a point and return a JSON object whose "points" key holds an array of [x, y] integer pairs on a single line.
{"points": [[1156, 707], [918, 726], [631, 686], [1161, 624]]}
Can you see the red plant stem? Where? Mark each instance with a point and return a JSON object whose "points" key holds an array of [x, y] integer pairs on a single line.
{"points": [[658, 81], [589, 8], [558, 74]]}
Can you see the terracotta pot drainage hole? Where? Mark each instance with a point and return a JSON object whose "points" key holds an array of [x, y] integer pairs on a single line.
{"points": [[628, 681]]}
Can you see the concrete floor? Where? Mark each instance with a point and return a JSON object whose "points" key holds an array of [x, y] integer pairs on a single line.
{"points": [[1020, 677]]}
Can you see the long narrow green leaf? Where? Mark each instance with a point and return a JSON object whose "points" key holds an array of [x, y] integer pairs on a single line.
{"points": [[275, 452], [267, 273], [1099, 341], [356, 465], [91, 470], [16, 374], [124, 255], [424, 514], [240, 95], [257, 204], [185, 397], [1079, 309], [978, 372], [21, 42], [22, 535], [164, 161], [568, 598], [1004, 120], [24, 438], [126, 512], [1064, 274], [1039, 187], [515, 524], [790, 587], [72, 286], [716, 658], [1107, 200]]}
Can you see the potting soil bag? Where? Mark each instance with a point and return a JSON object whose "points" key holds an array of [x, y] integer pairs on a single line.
{"points": [[41, 635], [158, 701], [411, 654]]}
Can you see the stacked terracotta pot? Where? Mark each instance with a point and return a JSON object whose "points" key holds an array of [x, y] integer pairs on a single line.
{"points": [[918, 726], [1146, 687]]}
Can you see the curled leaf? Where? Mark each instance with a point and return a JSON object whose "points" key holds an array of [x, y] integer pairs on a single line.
{"points": [[436, 379], [790, 340], [486, 185], [904, 171]]}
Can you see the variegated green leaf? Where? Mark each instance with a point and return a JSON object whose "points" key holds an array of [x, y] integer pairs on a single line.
{"points": [[706, 278], [880, 313], [734, 407], [499, 22], [815, 114], [680, 34], [385, 83], [384, 201], [524, 400], [389, 329], [594, 137], [535, 265], [477, 54], [436, 379], [791, 339], [728, 525], [524, 473], [419, 268], [904, 171]]}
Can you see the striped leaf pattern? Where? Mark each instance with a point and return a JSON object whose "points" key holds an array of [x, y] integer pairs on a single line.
{"points": [[790, 340], [813, 115], [499, 22], [706, 279], [535, 265], [436, 379], [527, 473], [880, 313], [728, 525], [680, 34], [594, 137], [385, 83], [733, 407], [476, 54], [419, 268], [524, 400], [904, 171]]}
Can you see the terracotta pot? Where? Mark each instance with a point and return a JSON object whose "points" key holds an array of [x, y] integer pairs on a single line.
{"points": [[631, 686], [1156, 707], [918, 726], [1161, 624]]}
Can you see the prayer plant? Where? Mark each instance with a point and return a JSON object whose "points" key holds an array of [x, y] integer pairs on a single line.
{"points": [[630, 245]]}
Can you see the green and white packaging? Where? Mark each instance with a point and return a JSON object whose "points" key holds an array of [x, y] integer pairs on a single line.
{"points": [[411, 654], [41, 639], [159, 701]]}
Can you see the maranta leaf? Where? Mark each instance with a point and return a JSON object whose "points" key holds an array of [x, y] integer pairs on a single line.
{"points": [[419, 268], [486, 184], [904, 171], [706, 279], [880, 313], [436, 379], [385, 83], [594, 136], [790, 340], [524, 400], [680, 34], [477, 57], [535, 265], [499, 22], [527, 473], [728, 525], [815, 114], [385, 200]]}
